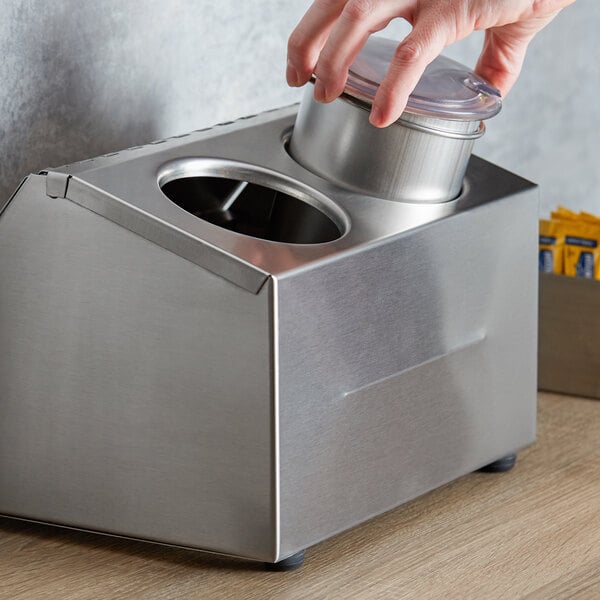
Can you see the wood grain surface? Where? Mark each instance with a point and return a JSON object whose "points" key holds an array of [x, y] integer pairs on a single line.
{"points": [[532, 533]]}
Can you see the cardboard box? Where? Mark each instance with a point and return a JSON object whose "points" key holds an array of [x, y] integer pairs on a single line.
{"points": [[569, 335]]}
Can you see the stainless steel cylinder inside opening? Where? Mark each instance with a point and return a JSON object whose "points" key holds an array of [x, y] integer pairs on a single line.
{"points": [[416, 159]]}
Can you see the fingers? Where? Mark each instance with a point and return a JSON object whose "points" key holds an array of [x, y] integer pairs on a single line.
{"points": [[309, 37], [357, 21], [332, 33], [417, 50], [502, 58], [504, 50]]}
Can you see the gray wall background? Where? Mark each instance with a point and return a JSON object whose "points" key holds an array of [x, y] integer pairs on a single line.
{"points": [[81, 78]]}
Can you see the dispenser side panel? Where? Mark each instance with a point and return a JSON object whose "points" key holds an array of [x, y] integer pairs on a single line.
{"points": [[405, 366], [135, 387]]}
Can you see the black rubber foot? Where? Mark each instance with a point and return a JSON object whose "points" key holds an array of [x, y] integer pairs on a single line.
{"points": [[501, 465], [287, 564]]}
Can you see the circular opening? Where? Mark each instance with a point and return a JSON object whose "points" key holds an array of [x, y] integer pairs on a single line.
{"points": [[252, 201]]}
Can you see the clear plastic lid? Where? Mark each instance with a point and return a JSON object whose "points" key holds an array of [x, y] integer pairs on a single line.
{"points": [[447, 89]]}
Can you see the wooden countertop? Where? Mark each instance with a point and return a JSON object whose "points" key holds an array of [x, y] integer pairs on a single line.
{"points": [[531, 533]]}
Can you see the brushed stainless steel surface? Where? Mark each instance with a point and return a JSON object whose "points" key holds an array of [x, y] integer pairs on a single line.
{"points": [[135, 387], [4, 204], [420, 160], [569, 355], [164, 378], [124, 188], [191, 247], [432, 377]]}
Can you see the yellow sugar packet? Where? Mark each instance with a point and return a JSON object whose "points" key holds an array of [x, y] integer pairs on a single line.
{"points": [[564, 214], [589, 217], [551, 244], [582, 250]]}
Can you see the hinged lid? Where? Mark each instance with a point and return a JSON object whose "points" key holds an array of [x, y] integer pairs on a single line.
{"points": [[447, 89]]}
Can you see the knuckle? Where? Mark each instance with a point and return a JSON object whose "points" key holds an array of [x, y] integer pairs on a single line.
{"points": [[358, 10]]}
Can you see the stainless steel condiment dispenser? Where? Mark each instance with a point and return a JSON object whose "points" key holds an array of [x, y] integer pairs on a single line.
{"points": [[205, 344]]}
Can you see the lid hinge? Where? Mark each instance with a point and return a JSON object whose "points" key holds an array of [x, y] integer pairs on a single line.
{"points": [[57, 184]]}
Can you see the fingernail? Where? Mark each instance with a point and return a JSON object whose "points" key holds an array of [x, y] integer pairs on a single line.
{"points": [[320, 91], [376, 116], [292, 75]]}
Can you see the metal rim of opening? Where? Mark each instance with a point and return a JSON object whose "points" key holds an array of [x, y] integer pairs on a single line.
{"points": [[194, 166]]}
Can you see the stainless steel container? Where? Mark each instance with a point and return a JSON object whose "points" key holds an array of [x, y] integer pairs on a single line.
{"points": [[422, 157], [416, 159]]}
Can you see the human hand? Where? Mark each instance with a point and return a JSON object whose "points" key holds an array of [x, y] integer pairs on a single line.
{"points": [[332, 33]]}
